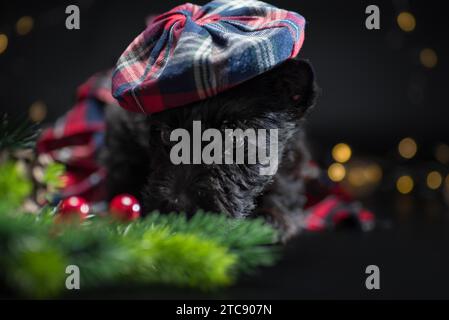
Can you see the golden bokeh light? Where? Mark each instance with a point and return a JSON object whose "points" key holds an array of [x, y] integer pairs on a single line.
{"points": [[405, 184], [37, 111], [341, 152], [428, 58], [407, 148], [3, 42], [442, 153], [24, 25], [366, 175], [356, 177], [336, 172], [406, 21], [434, 180], [373, 173]]}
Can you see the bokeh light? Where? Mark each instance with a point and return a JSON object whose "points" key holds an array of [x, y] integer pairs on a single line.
{"points": [[405, 184], [361, 175], [442, 153], [24, 25], [407, 148], [341, 152], [356, 177], [373, 173], [406, 21], [428, 58], [37, 111], [3, 43], [434, 180], [336, 172]]}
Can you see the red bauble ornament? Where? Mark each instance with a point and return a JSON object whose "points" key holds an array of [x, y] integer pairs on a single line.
{"points": [[125, 207], [73, 209]]}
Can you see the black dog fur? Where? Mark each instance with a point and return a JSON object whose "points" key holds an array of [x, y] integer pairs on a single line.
{"points": [[138, 147]]}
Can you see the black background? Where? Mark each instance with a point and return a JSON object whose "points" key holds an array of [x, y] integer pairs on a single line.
{"points": [[366, 78]]}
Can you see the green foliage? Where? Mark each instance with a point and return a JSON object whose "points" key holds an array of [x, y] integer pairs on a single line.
{"points": [[14, 186], [205, 252], [52, 175], [17, 134], [38, 267], [250, 240], [183, 260], [29, 260]]}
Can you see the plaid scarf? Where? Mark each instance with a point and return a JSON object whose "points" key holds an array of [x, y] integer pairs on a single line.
{"points": [[76, 139], [191, 52]]}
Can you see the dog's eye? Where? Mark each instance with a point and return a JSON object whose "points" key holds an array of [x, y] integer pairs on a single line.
{"points": [[227, 125], [165, 137], [296, 98]]}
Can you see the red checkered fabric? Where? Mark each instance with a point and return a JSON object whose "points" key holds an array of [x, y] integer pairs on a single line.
{"points": [[76, 138]]}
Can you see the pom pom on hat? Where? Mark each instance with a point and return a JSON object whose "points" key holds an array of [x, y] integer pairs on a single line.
{"points": [[192, 53]]}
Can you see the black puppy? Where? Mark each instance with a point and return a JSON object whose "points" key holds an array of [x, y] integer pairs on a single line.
{"points": [[138, 147]]}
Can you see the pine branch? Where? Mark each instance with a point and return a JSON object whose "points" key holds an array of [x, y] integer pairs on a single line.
{"points": [[17, 134], [250, 240], [14, 185], [206, 252]]}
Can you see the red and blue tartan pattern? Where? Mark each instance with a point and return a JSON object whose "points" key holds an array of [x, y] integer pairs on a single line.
{"points": [[192, 53], [76, 139]]}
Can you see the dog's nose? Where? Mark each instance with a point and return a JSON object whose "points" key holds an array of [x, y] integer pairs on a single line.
{"points": [[180, 199], [180, 203]]}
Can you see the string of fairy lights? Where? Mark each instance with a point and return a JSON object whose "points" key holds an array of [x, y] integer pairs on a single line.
{"points": [[360, 173], [407, 23], [361, 176], [24, 25]]}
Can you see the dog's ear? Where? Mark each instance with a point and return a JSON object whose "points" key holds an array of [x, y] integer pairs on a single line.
{"points": [[292, 84]]}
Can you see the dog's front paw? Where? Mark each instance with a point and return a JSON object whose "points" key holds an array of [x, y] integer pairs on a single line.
{"points": [[288, 224]]}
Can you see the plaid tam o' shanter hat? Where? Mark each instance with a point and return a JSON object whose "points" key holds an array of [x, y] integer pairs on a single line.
{"points": [[191, 52]]}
